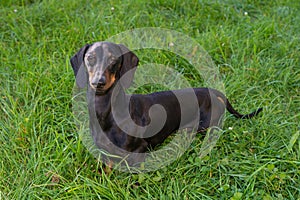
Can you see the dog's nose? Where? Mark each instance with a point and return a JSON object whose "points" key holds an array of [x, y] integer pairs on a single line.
{"points": [[102, 81]]}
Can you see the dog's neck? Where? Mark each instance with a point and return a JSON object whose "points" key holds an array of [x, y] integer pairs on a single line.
{"points": [[101, 105]]}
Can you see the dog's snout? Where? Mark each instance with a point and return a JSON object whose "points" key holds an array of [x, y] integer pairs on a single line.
{"points": [[99, 82], [102, 81]]}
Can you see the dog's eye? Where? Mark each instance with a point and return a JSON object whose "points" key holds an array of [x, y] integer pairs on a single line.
{"points": [[91, 60], [112, 69]]}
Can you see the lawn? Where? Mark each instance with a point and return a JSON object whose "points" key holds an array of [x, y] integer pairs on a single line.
{"points": [[255, 47]]}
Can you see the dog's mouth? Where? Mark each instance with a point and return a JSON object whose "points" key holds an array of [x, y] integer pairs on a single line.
{"points": [[99, 90]]}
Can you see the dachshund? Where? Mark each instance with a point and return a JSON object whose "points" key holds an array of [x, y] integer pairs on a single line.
{"points": [[122, 123]]}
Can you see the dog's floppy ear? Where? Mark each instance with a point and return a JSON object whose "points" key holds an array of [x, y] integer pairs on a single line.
{"points": [[78, 67], [129, 63]]}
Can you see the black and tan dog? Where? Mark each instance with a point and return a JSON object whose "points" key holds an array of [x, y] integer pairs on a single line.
{"points": [[101, 67]]}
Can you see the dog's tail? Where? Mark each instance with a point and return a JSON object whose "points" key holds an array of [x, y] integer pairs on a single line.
{"points": [[239, 115], [230, 108]]}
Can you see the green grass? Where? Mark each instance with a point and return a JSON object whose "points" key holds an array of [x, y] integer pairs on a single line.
{"points": [[255, 45]]}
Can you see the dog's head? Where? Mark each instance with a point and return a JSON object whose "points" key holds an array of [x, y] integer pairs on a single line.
{"points": [[102, 64]]}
